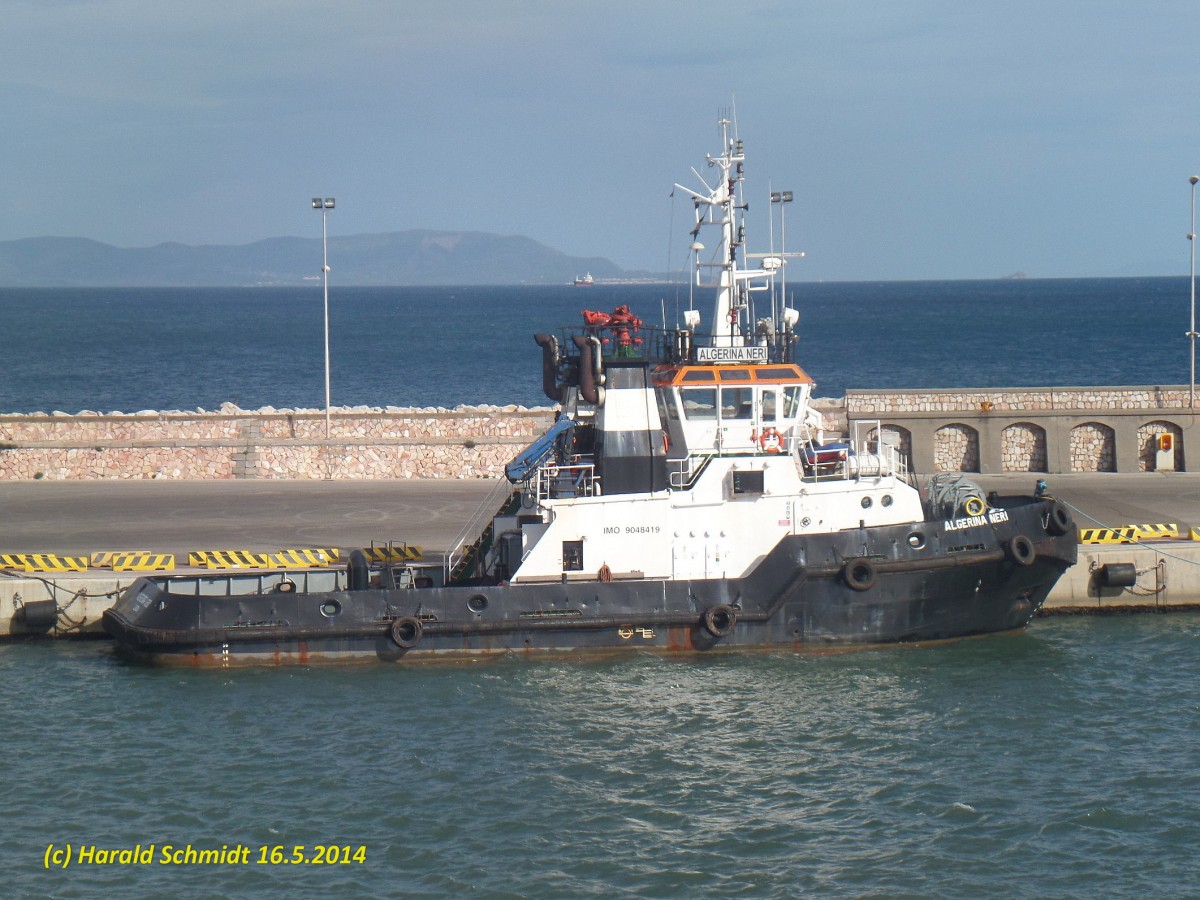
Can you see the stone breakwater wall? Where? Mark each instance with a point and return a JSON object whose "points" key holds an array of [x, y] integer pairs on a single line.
{"points": [[466, 442], [1052, 430]]}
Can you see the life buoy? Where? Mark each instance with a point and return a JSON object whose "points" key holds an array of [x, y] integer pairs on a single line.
{"points": [[860, 573], [666, 443], [771, 441], [974, 506], [720, 620], [1058, 520], [406, 631], [1021, 549]]}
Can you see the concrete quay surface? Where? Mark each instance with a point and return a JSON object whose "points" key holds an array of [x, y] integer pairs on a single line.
{"points": [[78, 518]]}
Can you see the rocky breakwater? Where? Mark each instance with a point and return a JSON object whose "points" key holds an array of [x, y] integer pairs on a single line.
{"points": [[363, 442]]}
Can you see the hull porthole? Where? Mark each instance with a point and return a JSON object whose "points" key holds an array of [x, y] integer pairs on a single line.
{"points": [[406, 631], [860, 574], [1021, 549], [720, 620], [477, 603], [974, 506], [1058, 521]]}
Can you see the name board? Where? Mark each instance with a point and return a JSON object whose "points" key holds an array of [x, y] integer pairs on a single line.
{"points": [[731, 354]]}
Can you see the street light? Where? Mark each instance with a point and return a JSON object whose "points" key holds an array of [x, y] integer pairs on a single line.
{"points": [[324, 205], [782, 197], [1192, 331]]}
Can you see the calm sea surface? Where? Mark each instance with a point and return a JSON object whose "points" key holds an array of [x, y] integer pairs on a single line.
{"points": [[129, 350], [1062, 762]]}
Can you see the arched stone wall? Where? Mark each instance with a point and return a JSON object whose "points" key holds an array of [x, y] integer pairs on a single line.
{"points": [[1147, 443], [1023, 448], [956, 448], [1093, 448]]}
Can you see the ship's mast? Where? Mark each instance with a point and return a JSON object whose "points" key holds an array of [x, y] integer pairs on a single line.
{"points": [[721, 206]]}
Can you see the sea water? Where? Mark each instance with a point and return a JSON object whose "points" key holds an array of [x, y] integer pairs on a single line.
{"points": [[130, 350], [1060, 762]]}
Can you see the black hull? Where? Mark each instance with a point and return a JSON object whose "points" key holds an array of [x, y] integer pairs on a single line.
{"points": [[910, 583]]}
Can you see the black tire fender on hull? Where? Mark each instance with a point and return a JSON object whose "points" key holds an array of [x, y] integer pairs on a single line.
{"points": [[406, 631], [860, 573], [1058, 520], [1021, 550], [720, 620]]}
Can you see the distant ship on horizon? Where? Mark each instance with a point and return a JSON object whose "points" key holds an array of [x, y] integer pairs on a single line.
{"points": [[584, 280]]}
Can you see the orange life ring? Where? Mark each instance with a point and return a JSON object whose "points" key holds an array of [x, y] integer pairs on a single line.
{"points": [[771, 441]]}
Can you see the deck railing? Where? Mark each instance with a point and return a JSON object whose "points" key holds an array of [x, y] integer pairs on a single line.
{"points": [[578, 480], [473, 530]]}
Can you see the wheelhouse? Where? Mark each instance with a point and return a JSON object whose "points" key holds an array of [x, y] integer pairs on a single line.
{"points": [[732, 409]]}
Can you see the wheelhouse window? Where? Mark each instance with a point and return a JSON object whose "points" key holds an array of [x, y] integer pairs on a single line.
{"points": [[737, 403], [791, 401], [770, 404], [699, 403], [667, 408]]}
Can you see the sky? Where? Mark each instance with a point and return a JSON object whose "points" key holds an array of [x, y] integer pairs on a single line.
{"points": [[929, 139]]}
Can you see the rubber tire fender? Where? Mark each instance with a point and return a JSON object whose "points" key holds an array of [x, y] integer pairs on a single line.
{"points": [[1058, 520], [406, 631], [720, 620], [1021, 550], [860, 573]]}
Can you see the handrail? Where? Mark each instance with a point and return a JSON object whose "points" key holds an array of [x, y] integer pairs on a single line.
{"points": [[869, 456], [683, 472], [498, 496], [548, 481]]}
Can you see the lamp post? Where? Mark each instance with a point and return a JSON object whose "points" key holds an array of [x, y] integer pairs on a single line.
{"points": [[781, 197], [324, 205], [1192, 331]]}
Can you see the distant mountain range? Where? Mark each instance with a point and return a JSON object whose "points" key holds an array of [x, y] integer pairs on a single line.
{"points": [[396, 258]]}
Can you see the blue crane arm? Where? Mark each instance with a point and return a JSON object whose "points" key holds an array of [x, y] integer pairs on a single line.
{"points": [[528, 460]]}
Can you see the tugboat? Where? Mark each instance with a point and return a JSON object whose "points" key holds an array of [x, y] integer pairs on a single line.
{"points": [[687, 498]]}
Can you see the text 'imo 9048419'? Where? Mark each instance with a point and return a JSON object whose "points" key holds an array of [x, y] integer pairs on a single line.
{"points": [[686, 498]]}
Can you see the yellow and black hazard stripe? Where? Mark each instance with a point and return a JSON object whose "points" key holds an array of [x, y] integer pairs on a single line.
{"points": [[49, 562], [1159, 532], [141, 562], [230, 559], [1125, 535], [309, 558], [393, 553]]}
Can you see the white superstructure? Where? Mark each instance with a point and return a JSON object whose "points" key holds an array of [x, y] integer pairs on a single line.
{"points": [[694, 450]]}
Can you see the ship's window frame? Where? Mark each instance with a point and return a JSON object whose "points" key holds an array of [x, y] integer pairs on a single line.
{"points": [[776, 373], [793, 394], [699, 375], [699, 411], [735, 374], [768, 403], [572, 556], [741, 403], [666, 404], [747, 481]]}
